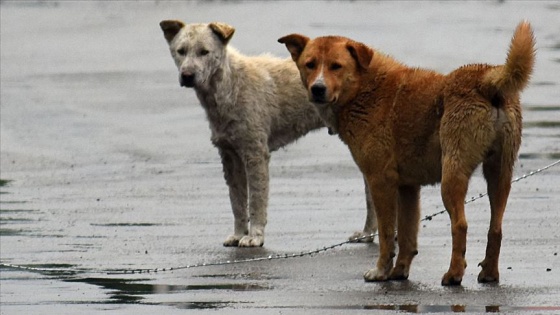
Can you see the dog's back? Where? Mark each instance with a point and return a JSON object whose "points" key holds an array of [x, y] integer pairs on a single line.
{"points": [[489, 97], [270, 88]]}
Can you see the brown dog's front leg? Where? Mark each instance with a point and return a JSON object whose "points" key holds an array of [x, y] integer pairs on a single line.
{"points": [[384, 197]]}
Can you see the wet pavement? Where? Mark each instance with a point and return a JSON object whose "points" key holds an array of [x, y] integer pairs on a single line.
{"points": [[106, 164]]}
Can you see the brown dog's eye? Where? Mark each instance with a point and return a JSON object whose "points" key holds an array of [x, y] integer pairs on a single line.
{"points": [[335, 66], [203, 52], [182, 51], [310, 65]]}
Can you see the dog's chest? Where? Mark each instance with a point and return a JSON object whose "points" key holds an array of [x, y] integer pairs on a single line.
{"points": [[223, 119]]}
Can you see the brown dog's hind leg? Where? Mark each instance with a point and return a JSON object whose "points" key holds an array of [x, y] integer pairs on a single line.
{"points": [[498, 178], [454, 185], [408, 220]]}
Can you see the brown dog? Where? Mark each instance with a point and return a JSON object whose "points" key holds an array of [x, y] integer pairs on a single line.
{"points": [[408, 127]]}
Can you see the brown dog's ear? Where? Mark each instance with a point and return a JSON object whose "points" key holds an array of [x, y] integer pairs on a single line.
{"points": [[224, 31], [170, 28], [295, 44], [361, 53]]}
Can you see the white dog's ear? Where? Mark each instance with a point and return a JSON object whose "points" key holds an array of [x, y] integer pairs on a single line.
{"points": [[170, 28], [361, 53], [224, 31], [295, 44]]}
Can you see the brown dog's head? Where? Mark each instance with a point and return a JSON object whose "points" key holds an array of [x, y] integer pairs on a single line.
{"points": [[330, 67]]}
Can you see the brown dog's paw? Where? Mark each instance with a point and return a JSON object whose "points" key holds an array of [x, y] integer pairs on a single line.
{"points": [[484, 278], [487, 274], [375, 275], [450, 279], [399, 272]]}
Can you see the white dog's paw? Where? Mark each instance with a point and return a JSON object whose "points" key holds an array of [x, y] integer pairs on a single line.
{"points": [[251, 241], [361, 237], [233, 240], [374, 275]]}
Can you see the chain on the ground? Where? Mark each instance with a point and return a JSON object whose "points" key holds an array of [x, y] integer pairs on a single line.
{"points": [[68, 271]]}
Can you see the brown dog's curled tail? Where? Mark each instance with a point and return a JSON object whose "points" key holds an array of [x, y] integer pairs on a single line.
{"points": [[514, 76]]}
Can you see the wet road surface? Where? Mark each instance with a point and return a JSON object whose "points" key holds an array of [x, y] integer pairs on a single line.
{"points": [[106, 164]]}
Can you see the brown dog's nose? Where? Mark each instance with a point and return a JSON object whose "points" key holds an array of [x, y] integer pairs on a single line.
{"points": [[319, 92]]}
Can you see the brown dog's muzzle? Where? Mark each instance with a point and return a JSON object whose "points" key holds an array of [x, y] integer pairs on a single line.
{"points": [[318, 92]]}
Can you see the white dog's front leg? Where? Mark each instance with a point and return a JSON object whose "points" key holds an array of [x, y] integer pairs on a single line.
{"points": [[370, 226], [236, 179], [257, 176]]}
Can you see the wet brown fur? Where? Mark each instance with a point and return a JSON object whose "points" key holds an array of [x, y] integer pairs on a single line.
{"points": [[408, 127]]}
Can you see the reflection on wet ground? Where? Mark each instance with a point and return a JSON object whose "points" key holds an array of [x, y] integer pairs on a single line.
{"points": [[458, 308], [551, 156], [12, 216], [126, 291]]}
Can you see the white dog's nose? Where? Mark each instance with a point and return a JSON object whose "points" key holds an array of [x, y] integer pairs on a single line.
{"points": [[187, 79]]}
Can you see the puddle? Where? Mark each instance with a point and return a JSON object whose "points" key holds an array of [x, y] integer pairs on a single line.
{"points": [[542, 108], [413, 308], [201, 305], [12, 232], [125, 291], [61, 270], [13, 216], [4, 182], [541, 124], [126, 224], [249, 276], [540, 156]]}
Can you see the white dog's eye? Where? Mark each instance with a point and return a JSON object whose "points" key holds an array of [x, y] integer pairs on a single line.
{"points": [[182, 51], [203, 52]]}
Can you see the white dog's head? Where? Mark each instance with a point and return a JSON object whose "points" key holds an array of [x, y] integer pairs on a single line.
{"points": [[197, 49]]}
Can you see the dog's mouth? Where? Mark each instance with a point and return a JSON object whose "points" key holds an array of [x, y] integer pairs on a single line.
{"points": [[320, 96], [321, 101]]}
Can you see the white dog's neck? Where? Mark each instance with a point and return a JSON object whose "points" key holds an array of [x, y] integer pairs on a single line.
{"points": [[219, 94]]}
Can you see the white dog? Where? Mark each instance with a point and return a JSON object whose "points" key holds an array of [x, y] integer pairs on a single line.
{"points": [[254, 105]]}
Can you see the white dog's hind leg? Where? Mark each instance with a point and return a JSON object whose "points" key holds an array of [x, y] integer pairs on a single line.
{"points": [[236, 179], [257, 175], [370, 226]]}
